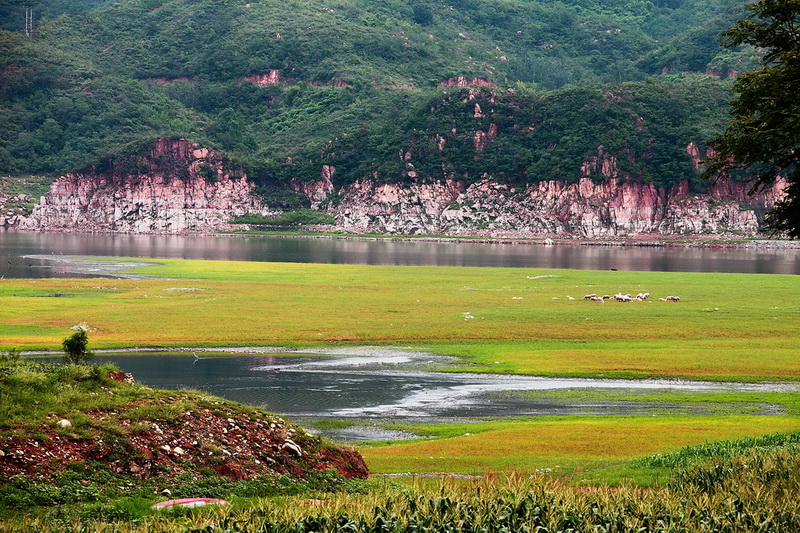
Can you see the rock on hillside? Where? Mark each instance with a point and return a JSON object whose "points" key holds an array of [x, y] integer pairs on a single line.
{"points": [[12, 211], [586, 209], [18, 196], [178, 187], [172, 437], [183, 188]]}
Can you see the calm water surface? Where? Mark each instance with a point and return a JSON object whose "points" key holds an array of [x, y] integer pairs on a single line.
{"points": [[15, 246], [371, 384]]}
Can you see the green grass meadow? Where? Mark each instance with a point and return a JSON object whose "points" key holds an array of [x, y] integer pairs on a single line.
{"points": [[726, 326], [736, 327], [594, 447]]}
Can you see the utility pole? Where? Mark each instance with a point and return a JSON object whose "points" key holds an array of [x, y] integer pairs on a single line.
{"points": [[28, 21]]}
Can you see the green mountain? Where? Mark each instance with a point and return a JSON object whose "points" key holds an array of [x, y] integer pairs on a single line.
{"points": [[286, 87]]}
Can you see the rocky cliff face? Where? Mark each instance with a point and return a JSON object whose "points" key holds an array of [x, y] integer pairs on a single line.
{"points": [[178, 188], [614, 208], [11, 212]]}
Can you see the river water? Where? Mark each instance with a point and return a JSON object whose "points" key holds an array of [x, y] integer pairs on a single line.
{"points": [[16, 247], [369, 386]]}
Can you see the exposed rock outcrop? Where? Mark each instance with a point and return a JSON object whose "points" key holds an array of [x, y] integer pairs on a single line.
{"points": [[271, 77], [483, 139], [18, 196], [274, 77], [318, 191], [178, 188], [463, 81], [11, 212], [613, 208]]}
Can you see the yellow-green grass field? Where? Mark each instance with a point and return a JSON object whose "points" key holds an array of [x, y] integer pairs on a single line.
{"points": [[726, 326], [740, 327], [573, 446]]}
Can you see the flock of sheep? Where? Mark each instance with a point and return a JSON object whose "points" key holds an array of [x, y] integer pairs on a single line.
{"points": [[642, 296]]}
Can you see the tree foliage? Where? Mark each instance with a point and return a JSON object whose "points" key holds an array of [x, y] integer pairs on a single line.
{"points": [[357, 81], [764, 135], [75, 348]]}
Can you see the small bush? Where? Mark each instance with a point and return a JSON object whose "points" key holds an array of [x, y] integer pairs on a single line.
{"points": [[75, 350], [22, 495], [11, 356], [73, 373], [300, 217], [122, 510]]}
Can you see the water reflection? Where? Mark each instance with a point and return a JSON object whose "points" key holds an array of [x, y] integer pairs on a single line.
{"points": [[385, 385], [14, 246]]}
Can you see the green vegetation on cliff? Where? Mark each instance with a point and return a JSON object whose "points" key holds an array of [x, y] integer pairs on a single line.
{"points": [[354, 82], [391, 42]]}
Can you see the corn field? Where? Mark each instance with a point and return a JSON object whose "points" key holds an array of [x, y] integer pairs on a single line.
{"points": [[756, 491]]}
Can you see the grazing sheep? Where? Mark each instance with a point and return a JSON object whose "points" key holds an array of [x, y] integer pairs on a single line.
{"points": [[673, 298], [643, 295], [589, 296], [606, 296], [597, 299]]}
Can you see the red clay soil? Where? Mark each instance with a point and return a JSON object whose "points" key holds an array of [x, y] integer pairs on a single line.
{"points": [[220, 437]]}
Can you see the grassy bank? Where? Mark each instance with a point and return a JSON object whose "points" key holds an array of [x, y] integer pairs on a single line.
{"points": [[74, 434], [577, 448], [726, 326]]}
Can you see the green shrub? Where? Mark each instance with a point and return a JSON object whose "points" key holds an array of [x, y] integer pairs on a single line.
{"points": [[75, 348], [11, 356], [121, 510], [19, 494], [300, 217]]}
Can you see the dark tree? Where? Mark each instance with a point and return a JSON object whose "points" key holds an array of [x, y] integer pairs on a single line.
{"points": [[75, 351], [422, 14], [763, 137]]}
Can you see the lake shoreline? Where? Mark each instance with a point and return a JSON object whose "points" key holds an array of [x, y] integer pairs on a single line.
{"points": [[640, 242]]}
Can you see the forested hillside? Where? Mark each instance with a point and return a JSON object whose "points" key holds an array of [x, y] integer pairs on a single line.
{"points": [[286, 87]]}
